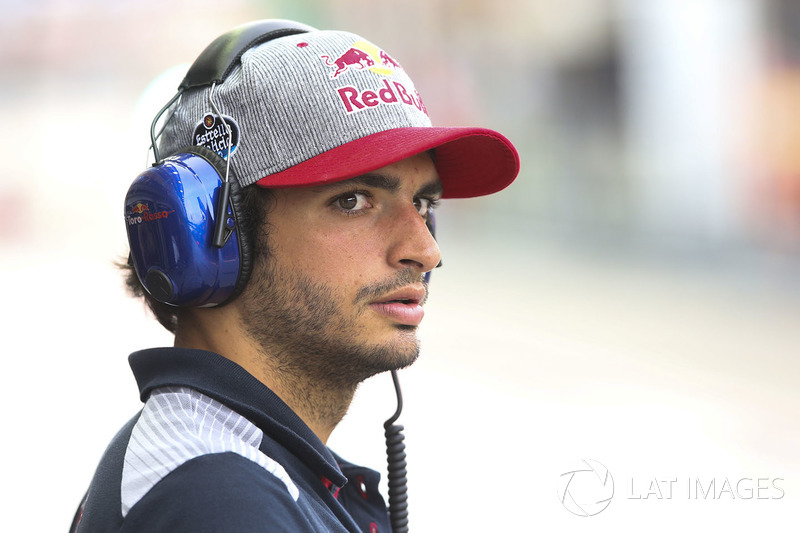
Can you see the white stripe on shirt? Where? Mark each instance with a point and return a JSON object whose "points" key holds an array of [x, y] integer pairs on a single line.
{"points": [[178, 424]]}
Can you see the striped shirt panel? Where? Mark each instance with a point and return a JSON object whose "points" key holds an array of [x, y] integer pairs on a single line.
{"points": [[179, 424]]}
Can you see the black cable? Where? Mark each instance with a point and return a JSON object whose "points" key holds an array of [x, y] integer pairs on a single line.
{"points": [[153, 136], [396, 459]]}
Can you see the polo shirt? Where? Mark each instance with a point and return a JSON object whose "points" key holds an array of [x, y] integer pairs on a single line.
{"points": [[214, 449]]}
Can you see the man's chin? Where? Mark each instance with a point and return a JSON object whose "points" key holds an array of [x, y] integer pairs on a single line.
{"points": [[398, 352]]}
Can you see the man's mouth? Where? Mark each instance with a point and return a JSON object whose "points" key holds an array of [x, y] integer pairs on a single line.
{"points": [[402, 301], [403, 306]]}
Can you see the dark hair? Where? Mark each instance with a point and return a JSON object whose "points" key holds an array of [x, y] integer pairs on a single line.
{"points": [[254, 204]]}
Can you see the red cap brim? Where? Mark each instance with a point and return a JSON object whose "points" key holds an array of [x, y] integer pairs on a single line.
{"points": [[470, 161]]}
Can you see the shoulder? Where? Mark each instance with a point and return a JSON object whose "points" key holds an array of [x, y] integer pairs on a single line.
{"points": [[217, 492], [179, 426]]}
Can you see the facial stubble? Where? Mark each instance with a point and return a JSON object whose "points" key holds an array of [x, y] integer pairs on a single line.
{"points": [[311, 334]]}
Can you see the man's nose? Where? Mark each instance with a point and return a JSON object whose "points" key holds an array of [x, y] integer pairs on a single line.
{"points": [[413, 245]]}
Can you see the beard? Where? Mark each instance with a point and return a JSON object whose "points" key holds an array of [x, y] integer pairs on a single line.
{"points": [[310, 335]]}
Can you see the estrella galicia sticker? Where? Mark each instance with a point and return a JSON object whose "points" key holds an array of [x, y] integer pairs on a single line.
{"points": [[210, 132]]}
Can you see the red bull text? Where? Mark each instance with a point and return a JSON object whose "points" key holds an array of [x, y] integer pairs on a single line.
{"points": [[391, 93]]}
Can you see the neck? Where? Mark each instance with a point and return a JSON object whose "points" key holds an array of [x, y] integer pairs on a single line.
{"points": [[319, 401]]}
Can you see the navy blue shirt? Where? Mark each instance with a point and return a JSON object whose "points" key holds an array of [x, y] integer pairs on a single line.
{"points": [[214, 450]]}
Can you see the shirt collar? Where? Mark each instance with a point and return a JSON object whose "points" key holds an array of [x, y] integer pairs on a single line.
{"points": [[229, 383]]}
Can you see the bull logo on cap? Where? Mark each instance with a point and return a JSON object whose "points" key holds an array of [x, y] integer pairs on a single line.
{"points": [[362, 55]]}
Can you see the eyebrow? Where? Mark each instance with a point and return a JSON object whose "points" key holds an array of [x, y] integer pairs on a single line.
{"points": [[378, 181], [434, 188]]}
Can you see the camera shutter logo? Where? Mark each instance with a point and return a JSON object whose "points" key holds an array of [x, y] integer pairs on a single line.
{"points": [[587, 490]]}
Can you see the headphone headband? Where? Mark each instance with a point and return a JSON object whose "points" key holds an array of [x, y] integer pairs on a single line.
{"points": [[218, 59]]}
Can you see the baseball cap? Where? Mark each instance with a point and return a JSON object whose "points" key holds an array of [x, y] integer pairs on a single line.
{"points": [[325, 106]]}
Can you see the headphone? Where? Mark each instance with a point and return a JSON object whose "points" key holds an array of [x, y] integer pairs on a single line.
{"points": [[183, 215]]}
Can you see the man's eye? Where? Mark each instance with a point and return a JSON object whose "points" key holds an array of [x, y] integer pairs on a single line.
{"points": [[352, 201], [425, 205]]}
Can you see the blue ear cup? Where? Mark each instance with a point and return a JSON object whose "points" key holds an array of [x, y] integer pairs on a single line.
{"points": [[170, 219]]}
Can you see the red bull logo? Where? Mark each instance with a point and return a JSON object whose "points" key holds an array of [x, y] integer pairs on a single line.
{"points": [[140, 208], [388, 61], [362, 55], [353, 58]]}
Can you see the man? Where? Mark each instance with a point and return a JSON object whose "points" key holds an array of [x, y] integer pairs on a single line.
{"points": [[333, 169]]}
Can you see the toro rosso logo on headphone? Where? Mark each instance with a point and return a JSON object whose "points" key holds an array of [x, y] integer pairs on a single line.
{"points": [[140, 212], [211, 132], [364, 55]]}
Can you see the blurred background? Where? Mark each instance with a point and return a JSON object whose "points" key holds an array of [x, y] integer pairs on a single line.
{"points": [[634, 298]]}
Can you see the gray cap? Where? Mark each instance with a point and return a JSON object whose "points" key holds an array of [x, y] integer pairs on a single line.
{"points": [[325, 106]]}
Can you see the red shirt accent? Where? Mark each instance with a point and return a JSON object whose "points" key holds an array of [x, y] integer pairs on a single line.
{"points": [[329, 485]]}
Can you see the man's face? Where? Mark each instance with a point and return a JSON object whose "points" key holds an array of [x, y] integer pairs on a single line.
{"points": [[340, 294]]}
